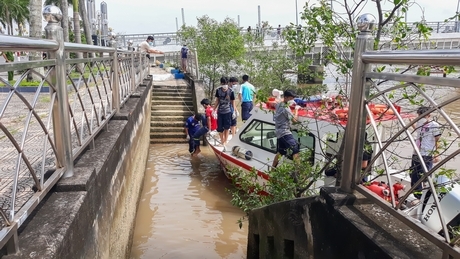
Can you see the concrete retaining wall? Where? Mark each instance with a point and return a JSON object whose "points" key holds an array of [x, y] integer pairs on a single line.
{"points": [[332, 225], [91, 215]]}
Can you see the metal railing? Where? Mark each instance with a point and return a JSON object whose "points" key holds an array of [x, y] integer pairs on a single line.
{"points": [[405, 89], [192, 62], [43, 129], [270, 34]]}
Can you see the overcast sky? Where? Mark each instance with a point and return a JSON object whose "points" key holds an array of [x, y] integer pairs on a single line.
{"points": [[145, 16]]}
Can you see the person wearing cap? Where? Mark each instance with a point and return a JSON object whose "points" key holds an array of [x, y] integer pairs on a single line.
{"points": [[427, 141], [283, 117], [183, 54], [147, 46]]}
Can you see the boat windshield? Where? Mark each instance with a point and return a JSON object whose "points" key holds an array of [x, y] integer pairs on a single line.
{"points": [[262, 135]]}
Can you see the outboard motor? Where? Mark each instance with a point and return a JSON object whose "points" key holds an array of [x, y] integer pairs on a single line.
{"points": [[450, 205]]}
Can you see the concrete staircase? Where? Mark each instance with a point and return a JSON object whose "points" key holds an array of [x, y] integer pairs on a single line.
{"points": [[172, 104]]}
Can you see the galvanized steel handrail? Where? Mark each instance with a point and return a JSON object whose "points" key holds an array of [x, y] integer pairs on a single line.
{"points": [[76, 47], [360, 98], [42, 134], [13, 43]]}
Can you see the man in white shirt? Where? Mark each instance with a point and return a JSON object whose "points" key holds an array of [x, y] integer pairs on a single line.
{"points": [[147, 46], [427, 140]]}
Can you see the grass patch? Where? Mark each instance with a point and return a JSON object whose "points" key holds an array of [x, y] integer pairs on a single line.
{"points": [[25, 83]]}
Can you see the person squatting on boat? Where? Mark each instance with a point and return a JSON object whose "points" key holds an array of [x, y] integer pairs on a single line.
{"points": [[287, 145], [225, 101], [427, 141], [246, 96], [192, 126]]}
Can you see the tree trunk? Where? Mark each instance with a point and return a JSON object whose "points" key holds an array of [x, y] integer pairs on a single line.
{"points": [[86, 24], [8, 20], [76, 29], [65, 19], [35, 31]]}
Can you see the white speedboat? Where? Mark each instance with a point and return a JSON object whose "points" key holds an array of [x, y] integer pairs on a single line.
{"points": [[254, 148]]}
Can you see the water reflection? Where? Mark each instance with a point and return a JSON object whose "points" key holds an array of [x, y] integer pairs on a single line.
{"points": [[185, 211]]}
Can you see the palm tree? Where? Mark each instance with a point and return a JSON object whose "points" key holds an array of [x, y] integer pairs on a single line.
{"points": [[12, 11], [65, 19], [86, 22], [35, 27], [79, 7]]}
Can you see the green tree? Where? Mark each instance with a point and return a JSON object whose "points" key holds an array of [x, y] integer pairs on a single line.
{"points": [[13, 11], [219, 46], [337, 32]]}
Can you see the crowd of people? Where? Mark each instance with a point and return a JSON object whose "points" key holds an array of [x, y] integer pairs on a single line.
{"points": [[222, 115]]}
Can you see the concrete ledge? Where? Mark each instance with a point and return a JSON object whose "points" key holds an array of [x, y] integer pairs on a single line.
{"points": [[91, 215], [50, 229], [130, 105], [93, 160], [333, 225]]}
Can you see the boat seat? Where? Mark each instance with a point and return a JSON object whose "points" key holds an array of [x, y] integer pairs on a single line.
{"points": [[270, 140]]}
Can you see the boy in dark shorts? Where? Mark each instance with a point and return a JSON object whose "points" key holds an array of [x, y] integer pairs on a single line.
{"points": [[287, 145]]}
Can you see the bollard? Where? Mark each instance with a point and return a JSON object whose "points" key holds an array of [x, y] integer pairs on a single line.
{"points": [[61, 116], [356, 125]]}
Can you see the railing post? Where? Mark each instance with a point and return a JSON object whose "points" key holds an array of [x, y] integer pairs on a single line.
{"points": [[61, 116], [133, 74], [197, 70], [115, 78], [356, 125]]}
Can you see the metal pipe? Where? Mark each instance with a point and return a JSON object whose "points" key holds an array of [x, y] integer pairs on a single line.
{"points": [[61, 114], [115, 81], [133, 74], [78, 47], [197, 70], [258, 11], [419, 57], [24, 44], [456, 16], [296, 14], [183, 17], [356, 125]]}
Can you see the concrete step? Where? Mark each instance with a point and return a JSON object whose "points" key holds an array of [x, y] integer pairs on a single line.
{"points": [[172, 102], [169, 113], [168, 123], [171, 89], [160, 86], [158, 118], [168, 129], [177, 107], [172, 93], [169, 141], [187, 98], [156, 135]]}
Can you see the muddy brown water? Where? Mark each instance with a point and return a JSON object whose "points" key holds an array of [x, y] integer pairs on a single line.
{"points": [[185, 210]]}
